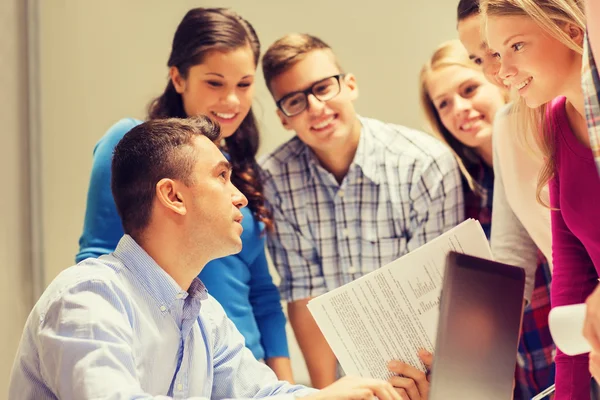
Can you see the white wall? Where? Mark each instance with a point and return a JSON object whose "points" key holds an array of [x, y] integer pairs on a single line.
{"points": [[101, 61], [15, 286]]}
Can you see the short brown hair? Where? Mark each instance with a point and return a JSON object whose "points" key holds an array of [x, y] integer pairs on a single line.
{"points": [[288, 51], [154, 150]]}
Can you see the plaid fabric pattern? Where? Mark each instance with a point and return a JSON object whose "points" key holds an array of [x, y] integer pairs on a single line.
{"points": [[479, 205], [402, 189], [590, 83], [535, 358]]}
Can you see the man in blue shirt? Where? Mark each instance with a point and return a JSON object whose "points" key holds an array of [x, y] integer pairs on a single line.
{"points": [[138, 323]]}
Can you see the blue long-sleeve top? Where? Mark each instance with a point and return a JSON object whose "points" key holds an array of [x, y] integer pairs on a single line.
{"points": [[241, 282]]}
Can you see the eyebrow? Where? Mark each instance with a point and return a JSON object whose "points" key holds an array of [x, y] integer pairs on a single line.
{"points": [[305, 88], [512, 37], [223, 164], [440, 96], [222, 76], [467, 82]]}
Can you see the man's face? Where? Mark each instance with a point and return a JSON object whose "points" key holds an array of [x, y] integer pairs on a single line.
{"points": [[325, 126], [213, 203]]}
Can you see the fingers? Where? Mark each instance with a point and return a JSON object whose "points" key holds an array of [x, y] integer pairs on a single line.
{"points": [[383, 390], [592, 320], [416, 377], [426, 357], [406, 386], [402, 393], [595, 364]]}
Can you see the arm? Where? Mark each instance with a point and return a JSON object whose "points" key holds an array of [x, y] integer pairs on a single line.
{"points": [[235, 364], [437, 199], [86, 343], [573, 280], [102, 227], [266, 306], [319, 357], [511, 244], [297, 262]]}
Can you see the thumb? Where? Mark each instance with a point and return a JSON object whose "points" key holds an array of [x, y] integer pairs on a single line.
{"points": [[426, 357]]}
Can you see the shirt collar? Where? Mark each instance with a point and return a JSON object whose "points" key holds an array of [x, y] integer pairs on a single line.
{"points": [[364, 159], [160, 285]]}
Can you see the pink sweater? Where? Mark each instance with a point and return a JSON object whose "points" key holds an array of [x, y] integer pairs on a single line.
{"points": [[575, 191]]}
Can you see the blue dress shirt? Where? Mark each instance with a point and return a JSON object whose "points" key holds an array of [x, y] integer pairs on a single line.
{"points": [[120, 327], [240, 282]]}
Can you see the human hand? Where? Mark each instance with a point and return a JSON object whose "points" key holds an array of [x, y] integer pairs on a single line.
{"points": [[357, 388], [411, 383]]}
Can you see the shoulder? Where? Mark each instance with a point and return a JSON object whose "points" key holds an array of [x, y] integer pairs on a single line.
{"points": [[287, 155], [115, 133], [404, 145], [85, 284]]}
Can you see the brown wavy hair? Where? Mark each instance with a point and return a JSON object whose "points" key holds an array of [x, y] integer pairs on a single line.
{"points": [[201, 31]]}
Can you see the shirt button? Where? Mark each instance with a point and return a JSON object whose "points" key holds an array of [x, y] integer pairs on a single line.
{"points": [[179, 295], [344, 233], [340, 193], [179, 387], [351, 270], [163, 308], [359, 180]]}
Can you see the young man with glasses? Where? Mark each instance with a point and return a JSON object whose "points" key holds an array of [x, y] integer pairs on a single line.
{"points": [[349, 194]]}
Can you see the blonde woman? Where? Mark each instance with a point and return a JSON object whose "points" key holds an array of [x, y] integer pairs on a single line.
{"points": [[460, 105], [539, 45]]}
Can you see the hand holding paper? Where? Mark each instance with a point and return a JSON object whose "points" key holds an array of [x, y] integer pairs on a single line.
{"points": [[392, 313]]}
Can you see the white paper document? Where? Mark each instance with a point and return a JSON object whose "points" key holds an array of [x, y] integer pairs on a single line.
{"points": [[391, 313]]}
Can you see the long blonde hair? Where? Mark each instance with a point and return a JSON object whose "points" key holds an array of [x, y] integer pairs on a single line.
{"points": [[549, 15], [448, 54]]}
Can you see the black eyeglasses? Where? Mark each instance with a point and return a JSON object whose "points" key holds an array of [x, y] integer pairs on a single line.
{"points": [[323, 90]]}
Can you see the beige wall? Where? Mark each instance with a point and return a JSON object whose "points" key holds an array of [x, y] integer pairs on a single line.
{"points": [[101, 61], [15, 285]]}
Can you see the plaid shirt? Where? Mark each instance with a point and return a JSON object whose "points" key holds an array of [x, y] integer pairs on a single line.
{"points": [[402, 189], [590, 83], [535, 359], [479, 205]]}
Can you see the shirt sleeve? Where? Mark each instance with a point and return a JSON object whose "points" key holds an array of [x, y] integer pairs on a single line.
{"points": [[237, 374], [295, 257], [573, 280], [437, 198], [86, 345], [511, 244], [102, 227], [266, 306]]}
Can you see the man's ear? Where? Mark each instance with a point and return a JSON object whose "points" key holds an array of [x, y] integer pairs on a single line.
{"points": [[169, 197], [284, 120], [178, 81], [352, 86]]}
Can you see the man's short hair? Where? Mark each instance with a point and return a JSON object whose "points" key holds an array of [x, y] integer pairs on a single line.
{"points": [[289, 50], [154, 150]]}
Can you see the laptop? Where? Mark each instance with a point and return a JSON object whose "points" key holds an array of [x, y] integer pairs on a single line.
{"points": [[481, 308]]}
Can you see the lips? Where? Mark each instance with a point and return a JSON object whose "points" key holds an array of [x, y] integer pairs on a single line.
{"points": [[524, 84], [225, 116], [470, 123], [323, 123]]}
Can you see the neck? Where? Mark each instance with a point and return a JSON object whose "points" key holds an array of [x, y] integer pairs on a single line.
{"points": [[171, 253], [575, 108], [338, 160]]}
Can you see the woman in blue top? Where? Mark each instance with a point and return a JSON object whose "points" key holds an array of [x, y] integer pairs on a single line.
{"points": [[212, 70]]}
